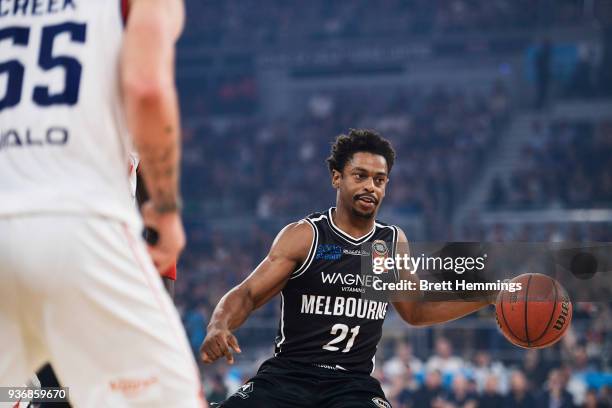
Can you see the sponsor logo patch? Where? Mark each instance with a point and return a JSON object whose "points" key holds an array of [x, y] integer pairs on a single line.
{"points": [[379, 251], [329, 252], [380, 248], [356, 252]]}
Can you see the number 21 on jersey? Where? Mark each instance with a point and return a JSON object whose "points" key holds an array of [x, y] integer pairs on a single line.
{"points": [[343, 330]]}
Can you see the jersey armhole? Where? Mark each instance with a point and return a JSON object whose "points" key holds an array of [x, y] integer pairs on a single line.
{"points": [[311, 252], [394, 245]]}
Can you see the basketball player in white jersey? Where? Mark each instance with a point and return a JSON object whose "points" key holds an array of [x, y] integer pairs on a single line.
{"points": [[78, 286]]}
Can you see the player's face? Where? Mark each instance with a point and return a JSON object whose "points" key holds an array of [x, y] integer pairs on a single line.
{"points": [[361, 185]]}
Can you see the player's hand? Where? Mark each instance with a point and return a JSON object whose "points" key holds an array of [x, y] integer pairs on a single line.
{"points": [[219, 343], [171, 236]]}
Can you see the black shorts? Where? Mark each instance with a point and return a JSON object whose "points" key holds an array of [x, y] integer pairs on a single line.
{"points": [[283, 384]]}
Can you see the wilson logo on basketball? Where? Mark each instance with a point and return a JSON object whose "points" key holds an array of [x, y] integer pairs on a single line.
{"points": [[538, 316], [562, 319]]}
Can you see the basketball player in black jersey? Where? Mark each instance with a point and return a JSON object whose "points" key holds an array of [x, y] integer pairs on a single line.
{"points": [[327, 335]]}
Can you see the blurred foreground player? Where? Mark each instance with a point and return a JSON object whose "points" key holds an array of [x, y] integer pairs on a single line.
{"points": [[327, 334], [46, 376], [79, 288]]}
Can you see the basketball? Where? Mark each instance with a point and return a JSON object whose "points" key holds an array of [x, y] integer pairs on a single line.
{"points": [[537, 315]]}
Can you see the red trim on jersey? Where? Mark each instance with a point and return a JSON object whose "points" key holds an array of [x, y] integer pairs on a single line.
{"points": [[170, 273], [125, 10]]}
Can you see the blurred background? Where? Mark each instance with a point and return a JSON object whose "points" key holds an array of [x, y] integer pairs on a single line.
{"points": [[501, 115]]}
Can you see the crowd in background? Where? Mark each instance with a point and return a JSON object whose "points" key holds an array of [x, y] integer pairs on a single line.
{"points": [[445, 378], [576, 365], [277, 168], [258, 173], [277, 22], [573, 373], [564, 165]]}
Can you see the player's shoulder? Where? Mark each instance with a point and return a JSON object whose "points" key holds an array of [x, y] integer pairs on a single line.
{"points": [[392, 228], [295, 241], [300, 231], [384, 225], [304, 231], [317, 216]]}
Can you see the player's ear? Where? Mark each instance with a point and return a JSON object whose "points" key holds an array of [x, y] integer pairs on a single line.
{"points": [[335, 178]]}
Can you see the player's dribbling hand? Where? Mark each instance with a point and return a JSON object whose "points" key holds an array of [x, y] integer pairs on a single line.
{"points": [[219, 343], [171, 236]]}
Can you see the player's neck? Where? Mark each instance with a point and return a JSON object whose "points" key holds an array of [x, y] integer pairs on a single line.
{"points": [[351, 224]]}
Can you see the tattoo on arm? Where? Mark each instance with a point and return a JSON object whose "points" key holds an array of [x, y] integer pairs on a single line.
{"points": [[161, 165]]}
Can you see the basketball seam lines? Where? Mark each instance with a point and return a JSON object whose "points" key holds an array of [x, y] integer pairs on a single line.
{"points": [[506, 321], [552, 315], [526, 305]]}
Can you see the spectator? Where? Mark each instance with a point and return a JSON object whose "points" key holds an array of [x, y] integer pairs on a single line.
{"points": [[443, 360], [484, 368], [431, 393], [555, 395], [402, 388], [519, 395], [591, 400], [402, 361], [534, 368], [580, 368], [491, 396], [460, 395]]}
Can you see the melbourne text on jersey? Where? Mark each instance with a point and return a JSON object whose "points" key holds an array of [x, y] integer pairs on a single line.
{"points": [[344, 306], [34, 7]]}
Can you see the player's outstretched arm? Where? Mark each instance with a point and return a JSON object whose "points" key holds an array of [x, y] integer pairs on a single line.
{"points": [[424, 313], [289, 249], [151, 107]]}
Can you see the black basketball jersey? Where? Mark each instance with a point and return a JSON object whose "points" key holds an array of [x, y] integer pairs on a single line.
{"points": [[325, 320]]}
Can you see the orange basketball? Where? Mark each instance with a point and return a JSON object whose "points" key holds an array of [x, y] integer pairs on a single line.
{"points": [[536, 316]]}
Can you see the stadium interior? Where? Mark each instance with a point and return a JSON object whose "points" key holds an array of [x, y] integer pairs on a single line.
{"points": [[501, 115]]}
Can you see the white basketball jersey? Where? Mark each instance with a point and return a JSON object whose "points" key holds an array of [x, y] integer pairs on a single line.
{"points": [[63, 138]]}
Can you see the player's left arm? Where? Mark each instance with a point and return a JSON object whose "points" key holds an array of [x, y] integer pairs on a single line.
{"points": [[425, 313]]}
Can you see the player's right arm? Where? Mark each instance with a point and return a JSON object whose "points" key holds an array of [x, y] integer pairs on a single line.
{"points": [[288, 251], [152, 113]]}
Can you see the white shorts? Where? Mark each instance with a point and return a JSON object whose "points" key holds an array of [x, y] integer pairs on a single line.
{"points": [[83, 294]]}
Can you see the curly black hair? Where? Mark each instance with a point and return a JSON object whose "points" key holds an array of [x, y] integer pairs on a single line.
{"points": [[359, 140]]}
